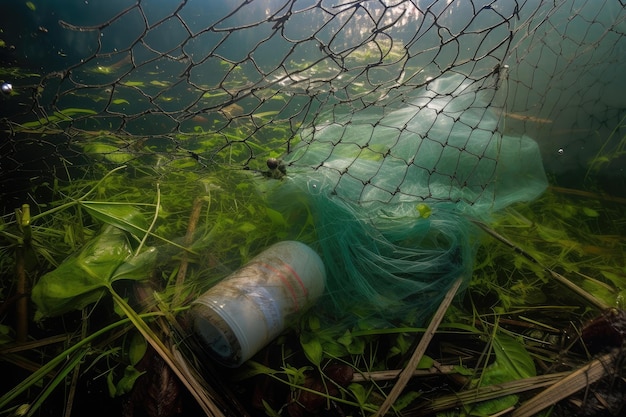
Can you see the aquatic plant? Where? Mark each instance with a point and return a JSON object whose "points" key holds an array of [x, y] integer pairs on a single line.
{"points": [[205, 224]]}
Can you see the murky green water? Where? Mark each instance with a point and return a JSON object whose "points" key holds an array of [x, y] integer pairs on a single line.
{"points": [[409, 143]]}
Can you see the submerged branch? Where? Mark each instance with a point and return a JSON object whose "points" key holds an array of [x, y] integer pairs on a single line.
{"points": [[570, 384], [488, 392]]}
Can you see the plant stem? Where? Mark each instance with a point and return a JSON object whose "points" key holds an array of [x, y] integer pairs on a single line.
{"points": [[48, 367], [393, 373], [72, 390], [73, 363], [79, 200], [200, 395], [407, 372], [154, 219], [560, 278], [21, 304], [184, 262], [570, 384], [23, 287], [487, 393]]}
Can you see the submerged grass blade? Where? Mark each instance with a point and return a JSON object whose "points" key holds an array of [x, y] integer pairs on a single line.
{"points": [[407, 372], [560, 278], [58, 379], [570, 384], [198, 393], [487, 393], [48, 367]]}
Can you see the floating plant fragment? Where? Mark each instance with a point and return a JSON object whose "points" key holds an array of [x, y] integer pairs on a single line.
{"points": [[86, 277]]}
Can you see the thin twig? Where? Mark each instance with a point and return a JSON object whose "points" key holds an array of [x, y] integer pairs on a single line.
{"points": [[200, 395], [154, 219], [407, 372], [76, 374], [587, 194], [23, 286], [486, 393], [21, 304], [184, 262], [20, 347], [394, 373], [570, 384]]}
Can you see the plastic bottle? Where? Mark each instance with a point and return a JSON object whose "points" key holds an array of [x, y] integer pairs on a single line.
{"points": [[244, 312]]}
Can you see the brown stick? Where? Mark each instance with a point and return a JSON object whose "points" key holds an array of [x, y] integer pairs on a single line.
{"points": [[22, 287], [587, 194], [575, 381], [394, 373], [20, 347], [184, 262], [69, 404], [407, 372], [21, 304], [486, 393]]}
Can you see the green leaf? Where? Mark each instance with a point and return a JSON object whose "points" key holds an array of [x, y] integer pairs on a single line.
{"points": [[124, 216], [312, 348], [346, 338], [246, 227], [110, 152], [136, 267], [85, 277], [251, 369], [111, 384], [269, 411], [491, 407], [137, 348], [426, 362], [276, 217], [314, 322], [360, 393], [462, 370], [405, 400], [424, 210], [58, 116], [512, 362], [512, 358], [5, 334], [134, 83], [125, 385], [159, 83], [589, 212]]}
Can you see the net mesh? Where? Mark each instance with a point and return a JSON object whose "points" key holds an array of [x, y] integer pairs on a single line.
{"points": [[391, 99]]}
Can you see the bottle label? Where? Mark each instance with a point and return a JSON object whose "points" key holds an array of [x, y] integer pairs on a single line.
{"points": [[269, 308]]}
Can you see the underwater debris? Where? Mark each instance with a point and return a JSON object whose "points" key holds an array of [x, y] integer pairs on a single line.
{"points": [[605, 332]]}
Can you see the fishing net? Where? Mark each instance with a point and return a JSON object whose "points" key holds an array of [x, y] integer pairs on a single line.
{"points": [[392, 121]]}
